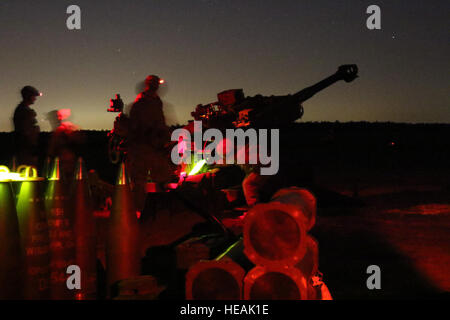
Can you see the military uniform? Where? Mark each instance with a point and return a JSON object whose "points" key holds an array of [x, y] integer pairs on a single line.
{"points": [[147, 136], [26, 134]]}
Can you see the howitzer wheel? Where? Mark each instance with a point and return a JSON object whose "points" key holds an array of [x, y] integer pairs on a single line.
{"points": [[301, 111]]}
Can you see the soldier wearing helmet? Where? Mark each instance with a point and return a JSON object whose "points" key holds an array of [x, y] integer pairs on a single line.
{"points": [[147, 136], [26, 129]]}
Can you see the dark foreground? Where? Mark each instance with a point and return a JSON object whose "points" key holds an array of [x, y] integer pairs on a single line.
{"points": [[406, 234], [384, 199]]}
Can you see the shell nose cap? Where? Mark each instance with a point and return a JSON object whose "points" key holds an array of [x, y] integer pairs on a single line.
{"points": [[122, 177], [80, 173], [55, 173]]}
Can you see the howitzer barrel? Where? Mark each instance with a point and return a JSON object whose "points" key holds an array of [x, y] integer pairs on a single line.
{"points": [[233, 109], [345, 72], [262, 111]]}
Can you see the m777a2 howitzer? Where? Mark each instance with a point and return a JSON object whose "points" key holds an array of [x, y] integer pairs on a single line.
{"points": [[234, 110]]}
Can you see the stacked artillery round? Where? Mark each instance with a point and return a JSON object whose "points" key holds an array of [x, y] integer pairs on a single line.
{"points": [[62, 241], [10, 254], [85, 234], [37, 240], [43, 233], [205, 277], [275, 283], [280, 258], [276, 241], [34, 235], [275, 233], [122, 249]]}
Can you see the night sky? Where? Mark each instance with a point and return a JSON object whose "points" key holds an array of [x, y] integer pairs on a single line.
{"points": [[202, 47]]}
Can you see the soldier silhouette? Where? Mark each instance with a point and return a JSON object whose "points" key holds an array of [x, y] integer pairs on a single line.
{"points": [[26, 129], [148, 134], [65, 141]]}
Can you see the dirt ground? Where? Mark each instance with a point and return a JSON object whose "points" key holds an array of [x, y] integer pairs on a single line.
{"points": [[399, 222]]}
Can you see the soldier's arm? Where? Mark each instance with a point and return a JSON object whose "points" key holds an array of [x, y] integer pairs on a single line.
{"points": [[160, 134], [29, 123]]}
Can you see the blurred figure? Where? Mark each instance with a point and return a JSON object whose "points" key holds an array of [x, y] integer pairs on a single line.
{"points": [[147, 137], [64, 141], [26, 129]]}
